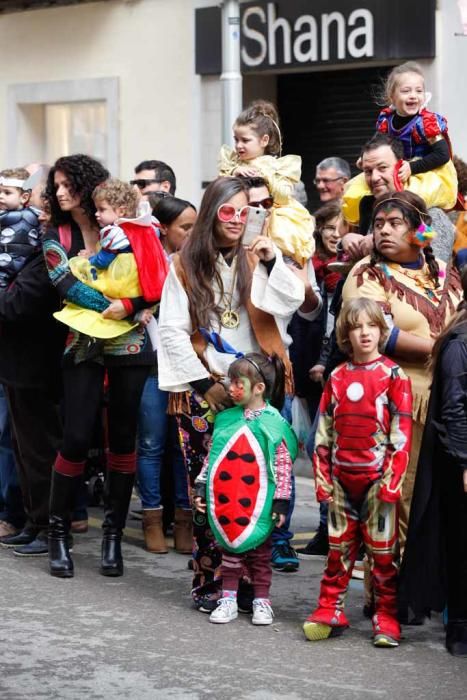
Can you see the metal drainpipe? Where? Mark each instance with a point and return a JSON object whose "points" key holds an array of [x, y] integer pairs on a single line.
{"points": [[231, 76]]}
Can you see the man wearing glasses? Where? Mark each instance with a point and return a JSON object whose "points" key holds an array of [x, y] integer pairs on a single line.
{"points": [[331, 176], [154, 176]]}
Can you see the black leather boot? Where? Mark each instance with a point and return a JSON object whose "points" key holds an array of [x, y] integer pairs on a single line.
{"points": [[118, 488], [62, 501]]}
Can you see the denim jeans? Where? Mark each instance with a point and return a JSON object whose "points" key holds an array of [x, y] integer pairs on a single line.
{"points": [[310, 448], [154, 427], [11, 501]]}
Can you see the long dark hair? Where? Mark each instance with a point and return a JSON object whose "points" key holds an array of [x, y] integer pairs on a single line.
{"points": [[459, 317], [259, 368], [414, 213], [84, 174], [199, 254]]}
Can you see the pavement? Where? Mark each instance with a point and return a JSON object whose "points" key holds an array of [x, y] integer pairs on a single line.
{"points": [[138, 636]]}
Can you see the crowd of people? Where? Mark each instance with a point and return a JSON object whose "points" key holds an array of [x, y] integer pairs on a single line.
{"points": [[180, 340]]}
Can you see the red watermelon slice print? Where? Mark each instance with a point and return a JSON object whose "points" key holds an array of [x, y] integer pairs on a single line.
{"points": [[238, 487]]}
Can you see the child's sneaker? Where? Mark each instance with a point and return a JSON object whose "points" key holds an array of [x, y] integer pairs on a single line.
{"points": [[316, 631], [226, 611], [284, 557], [262, 613], [384, 640]]}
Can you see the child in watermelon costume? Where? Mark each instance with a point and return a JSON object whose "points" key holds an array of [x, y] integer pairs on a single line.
{"points": [[361, 454], [245, 484]]}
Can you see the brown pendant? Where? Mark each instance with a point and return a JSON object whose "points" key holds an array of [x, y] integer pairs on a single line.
{"points": [[230, 319]]}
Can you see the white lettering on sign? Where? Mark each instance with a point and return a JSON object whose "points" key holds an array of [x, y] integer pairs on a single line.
{"points": [[310, 39]]}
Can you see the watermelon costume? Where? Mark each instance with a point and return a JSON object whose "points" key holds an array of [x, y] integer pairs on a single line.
{"points": [[241, 480]]}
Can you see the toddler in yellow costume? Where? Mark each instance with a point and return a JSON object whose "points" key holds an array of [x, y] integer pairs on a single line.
{"points": [[126, 233], [257, 153]]}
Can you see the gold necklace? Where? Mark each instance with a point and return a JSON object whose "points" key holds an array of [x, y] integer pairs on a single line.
{"points": [[229, 317]]}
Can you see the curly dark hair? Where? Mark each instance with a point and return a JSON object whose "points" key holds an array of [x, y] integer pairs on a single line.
{"points": [[84, 174], [461, 170]]}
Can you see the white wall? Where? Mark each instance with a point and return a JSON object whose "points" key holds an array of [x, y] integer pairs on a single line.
{"points": [[147, 44]]}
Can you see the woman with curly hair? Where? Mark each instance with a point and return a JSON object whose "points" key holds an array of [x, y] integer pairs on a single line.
{"points": [[418, 294], [126, 359]]}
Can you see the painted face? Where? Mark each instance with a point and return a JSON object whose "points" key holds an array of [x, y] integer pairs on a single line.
{"points": [[364, 338], [67, 200], [378, 167], [392, 233], [330, 184], [408, 95], [240, 390], [105, 214], [248, 144], [229, 233], [175, 234], [12, 198]]}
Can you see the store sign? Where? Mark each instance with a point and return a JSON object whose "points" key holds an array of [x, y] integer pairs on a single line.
{"points": [[270, 38], [298, 33]]}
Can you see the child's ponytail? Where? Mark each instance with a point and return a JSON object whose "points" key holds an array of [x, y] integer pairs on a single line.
{"points": [[277, 395]]}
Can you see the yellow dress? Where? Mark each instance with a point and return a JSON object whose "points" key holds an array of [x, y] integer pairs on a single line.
{"points": [[291, 226], [437, 187], [118, 281]]}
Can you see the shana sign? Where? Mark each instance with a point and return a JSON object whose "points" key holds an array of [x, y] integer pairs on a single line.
{"points": [[287, 34], [308, 39]]}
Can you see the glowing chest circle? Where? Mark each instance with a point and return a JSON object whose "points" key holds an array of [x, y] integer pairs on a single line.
{"points": [[355, 391]]}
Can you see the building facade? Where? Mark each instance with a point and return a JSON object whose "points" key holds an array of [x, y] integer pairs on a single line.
{"points": [[127, 80]]}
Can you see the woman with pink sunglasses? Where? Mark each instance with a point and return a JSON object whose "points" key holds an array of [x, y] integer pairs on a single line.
{"points": [[220, 299]]}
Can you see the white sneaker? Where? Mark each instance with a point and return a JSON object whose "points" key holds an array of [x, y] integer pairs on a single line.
{"points": [[226, 611], [262, 613]]}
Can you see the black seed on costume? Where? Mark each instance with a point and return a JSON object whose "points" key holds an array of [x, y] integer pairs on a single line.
{"points": [[225, 476], [231, 454], [222, 498], [248, 479], [224, 520], [242, 521], [245, 502]]}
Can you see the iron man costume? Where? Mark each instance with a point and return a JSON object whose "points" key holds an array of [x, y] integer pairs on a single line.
{"points": [[361, 455]]}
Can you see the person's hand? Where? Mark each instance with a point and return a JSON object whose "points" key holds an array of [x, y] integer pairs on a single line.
{"points": [[465, 480], [316, 373], [144, 317], [263, 247], [300, 272], [218, 398], [246, 171], [367, 245], [85, 253], [279, 519], [116, 311], [351, 243], [200, 504], [405, 171]]}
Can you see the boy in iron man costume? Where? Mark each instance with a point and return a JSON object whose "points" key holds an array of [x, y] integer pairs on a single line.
{"points": [[361, 455]]}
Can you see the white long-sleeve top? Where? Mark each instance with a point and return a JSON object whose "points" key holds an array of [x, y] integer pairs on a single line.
{"points": [[280, 294]]}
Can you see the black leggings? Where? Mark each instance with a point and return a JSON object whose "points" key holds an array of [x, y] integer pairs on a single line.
{"points": [[83, 391]]}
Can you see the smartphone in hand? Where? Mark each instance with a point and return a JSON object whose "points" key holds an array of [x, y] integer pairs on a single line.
{"points": [[254, 224]]}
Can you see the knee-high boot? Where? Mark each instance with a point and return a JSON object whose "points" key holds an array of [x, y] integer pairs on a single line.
{"points": [[119, 485], [66, 480]]}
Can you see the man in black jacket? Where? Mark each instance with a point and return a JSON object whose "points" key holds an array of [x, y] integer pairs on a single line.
{"points": [[31, 346]]}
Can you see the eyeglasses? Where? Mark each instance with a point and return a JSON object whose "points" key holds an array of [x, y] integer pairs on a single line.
{"points": [[141, 184], [326, 180], [266, 203], [227, 212]]}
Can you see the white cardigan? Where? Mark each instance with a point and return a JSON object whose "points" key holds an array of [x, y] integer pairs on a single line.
{"points": [[280, 294]]}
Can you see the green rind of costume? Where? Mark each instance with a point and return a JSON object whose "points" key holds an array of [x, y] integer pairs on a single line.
{"points": [[240, 513]]}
